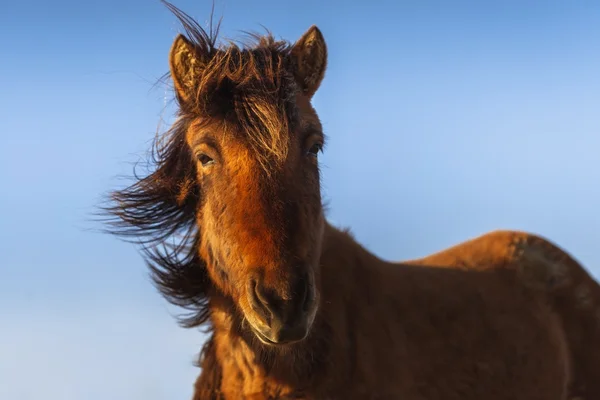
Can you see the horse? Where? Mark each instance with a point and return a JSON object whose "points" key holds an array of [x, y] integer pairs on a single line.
{"points": [[232, 225]]}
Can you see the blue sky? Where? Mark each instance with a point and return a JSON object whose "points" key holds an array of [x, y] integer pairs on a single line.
{"points": [[445, 120]]}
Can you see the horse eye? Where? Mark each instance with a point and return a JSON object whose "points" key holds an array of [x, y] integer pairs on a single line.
{"points": [[205, 160], [314, 150]]}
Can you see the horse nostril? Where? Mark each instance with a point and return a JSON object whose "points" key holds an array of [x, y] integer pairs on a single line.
{"points": [[260, 296], [308, 297], [305, 292], [277, 311], [259, 302]]}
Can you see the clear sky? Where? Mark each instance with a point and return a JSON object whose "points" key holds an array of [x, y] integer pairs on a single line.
{"points": [[445, 120]]}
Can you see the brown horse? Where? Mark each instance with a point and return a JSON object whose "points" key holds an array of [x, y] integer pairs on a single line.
{"points": [[297, 308]]}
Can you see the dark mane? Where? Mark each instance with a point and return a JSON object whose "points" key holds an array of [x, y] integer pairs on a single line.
{"points": [[246, 83], [158, 211], [252, 87]]}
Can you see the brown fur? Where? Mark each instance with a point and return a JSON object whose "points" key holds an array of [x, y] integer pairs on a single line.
{"points": [[232, 224]]}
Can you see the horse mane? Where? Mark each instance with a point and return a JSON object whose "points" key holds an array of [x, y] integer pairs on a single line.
{"points": [[247, 82], [208, 384], [251, 85], [158, 212]]}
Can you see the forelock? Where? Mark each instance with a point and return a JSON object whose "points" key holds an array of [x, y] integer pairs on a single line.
{"points": [[251, 87]]}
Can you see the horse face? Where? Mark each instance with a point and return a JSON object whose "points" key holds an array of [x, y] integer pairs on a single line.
{"points": [[255, 143]]}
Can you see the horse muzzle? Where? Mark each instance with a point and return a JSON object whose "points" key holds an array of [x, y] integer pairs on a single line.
{"points": [[278, 321]]}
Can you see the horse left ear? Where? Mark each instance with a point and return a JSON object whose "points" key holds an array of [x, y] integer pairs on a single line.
{"points": [[309, 55]]}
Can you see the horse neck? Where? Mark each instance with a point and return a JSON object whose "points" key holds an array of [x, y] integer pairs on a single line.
{"points": [[326, 351]]}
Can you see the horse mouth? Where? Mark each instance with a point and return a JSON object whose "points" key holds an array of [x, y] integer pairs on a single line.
{"points": [[264, 338]]}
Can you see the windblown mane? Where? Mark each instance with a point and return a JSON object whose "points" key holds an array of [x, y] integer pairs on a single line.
{"points": [[250, 85], [250, 89]]}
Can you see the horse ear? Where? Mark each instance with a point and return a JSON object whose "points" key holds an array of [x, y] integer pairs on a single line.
{"points": [[309, 55], [184, 63]]}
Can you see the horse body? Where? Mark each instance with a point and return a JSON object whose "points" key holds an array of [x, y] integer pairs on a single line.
{"points": [[233, 228], [459, 324]]}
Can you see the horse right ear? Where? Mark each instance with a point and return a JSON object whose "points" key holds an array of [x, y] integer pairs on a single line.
{"points": [[185, 65], [309, 54]]}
